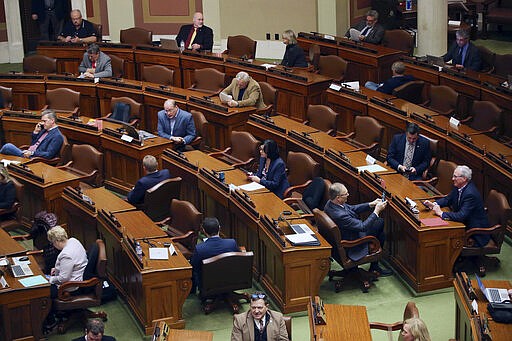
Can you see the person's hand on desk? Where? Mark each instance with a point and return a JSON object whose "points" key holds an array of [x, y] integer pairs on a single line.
{"points": [[88, 75], [196, 47], [233, 103], [76, 40], [254, 178], [27, 153], [91, 70], [361, 38], [434, 207], [380, 206], [177, 140]]}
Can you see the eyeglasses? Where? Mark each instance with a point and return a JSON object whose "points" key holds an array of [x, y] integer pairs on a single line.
{"points": [[258, 296], [457, 176], [343, 195]]}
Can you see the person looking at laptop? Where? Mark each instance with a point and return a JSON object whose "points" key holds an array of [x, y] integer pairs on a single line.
{"points": [[463, 53]]}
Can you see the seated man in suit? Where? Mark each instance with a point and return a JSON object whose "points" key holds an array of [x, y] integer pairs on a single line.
{"points": [[77, 30], [371, 30], [246, 92], [152, 177], [94, 331], [196, 36], [465, 202], [259, 323], [463, 53], [95, 64], [176, 125], [46, 139], [409, 153], [347, 218], [398, 78], [213, 246]]}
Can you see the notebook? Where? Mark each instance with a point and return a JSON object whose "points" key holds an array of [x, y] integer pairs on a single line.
{"points": [[493, 295], [169, 44]]}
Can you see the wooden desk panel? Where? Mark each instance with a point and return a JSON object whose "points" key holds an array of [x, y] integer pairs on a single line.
{"points": [[157, 56], [68, 55], [89, 105], [119, 89], [191, 61], [8, 246], [344, 322], [28, 91]]}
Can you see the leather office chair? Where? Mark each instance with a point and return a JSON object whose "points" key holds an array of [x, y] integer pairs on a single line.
{"points": [[157, 199], [496, 12], [184, 225], [485, 116], [158, 74], [411, 91], [500, 215], [201, 141], [441, 184], [314, 56], [304, 202], [98, 29], [37, 63], [367, 135], [241, 46], [63, 156], [7, 96], [63, 100], [87, 163], [12, 215], [433, 145], [270, 95], [488, 59], [503, 65], [332, 234], [399, 40], [117, 66], [208, 80], [135, 110], [443, 99], [221, 275], [301, 171], [332, 66], [323, 118], [244, 150], [92, 287], [136, 36], [410, 311]]}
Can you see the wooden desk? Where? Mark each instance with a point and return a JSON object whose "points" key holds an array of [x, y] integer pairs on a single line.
{"points": [[190, 61], [166, 334], [23, 310], [463, 315], [109, 87], [154, 289], [8, 246], [344, 322], [28, 91], [152, 55], [68, 55], [89, 105]]}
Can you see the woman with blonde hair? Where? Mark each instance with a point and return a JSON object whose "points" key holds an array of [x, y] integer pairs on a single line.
{"points": [[294, 54], [7, 191], [414, 329]]}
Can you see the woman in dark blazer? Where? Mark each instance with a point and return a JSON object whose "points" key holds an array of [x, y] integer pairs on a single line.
{"points": [[293, 55], [272, 170]]}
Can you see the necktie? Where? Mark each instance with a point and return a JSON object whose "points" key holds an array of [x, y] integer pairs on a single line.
{"points": [[409, 154], [262, 325], [365, 30], [192, 38], [458, 199], [93, 65], [33, 147], [459, 57]]}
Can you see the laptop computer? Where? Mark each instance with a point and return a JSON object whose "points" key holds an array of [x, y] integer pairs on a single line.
{"points": [[493, 295], [434, 60], [169, 44], [301, 228], [21, 270]]}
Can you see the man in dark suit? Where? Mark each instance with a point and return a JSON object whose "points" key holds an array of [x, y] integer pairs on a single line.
{"points": [[371, 30], [409, 153], [465, 202], [347, 218], [152, 177], [176, 125], [196, 36], [46, 139], [50, 14], [463, 53], [95, 64], [398, 78], [94, 331], [213, 246]]}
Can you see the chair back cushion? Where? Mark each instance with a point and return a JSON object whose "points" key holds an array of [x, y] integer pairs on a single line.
{"points": [[367, 130], [121, 112], [444, 171], [486, 115], [135, 107], [208, 80], [117, 66], [158, 74], [240, 46], [322, 117], [331, 233], [314, 55], [136, 35], [62, 99], [269, 94], [185, 217], [301, 168], [87, 159], [332, 66], [399, 40], [6, 96], [157, 200], [498, 208], [443, 99], [488, 58], [411, 91], [503, 64], [39, 63], [244, 146]]}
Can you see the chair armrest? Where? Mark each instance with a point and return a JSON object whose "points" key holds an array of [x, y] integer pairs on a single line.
{"points": [[480, 230], [183, 237], [196, 141], [44, 107], [64, 295], [75, 111], [346, 137], [467, 119], [164, 222], [386, 326], [67, 165], [228, 149], [290, 189], [364, 240], [22, 237]]}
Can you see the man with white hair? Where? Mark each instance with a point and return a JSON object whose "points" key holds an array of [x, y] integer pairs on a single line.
{"points": [[196, 36], [465, 202], [246, 92]]}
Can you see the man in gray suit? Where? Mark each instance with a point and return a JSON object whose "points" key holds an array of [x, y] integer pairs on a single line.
{"points": [[95, 64], [371, 30]]}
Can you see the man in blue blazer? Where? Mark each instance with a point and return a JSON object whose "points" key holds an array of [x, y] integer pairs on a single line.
{"points": [[347, 218], [46, 139], [463, 53], [152, 177], [202, 40], [465, 202], [176, 125], [412, 168], [213, 246]]}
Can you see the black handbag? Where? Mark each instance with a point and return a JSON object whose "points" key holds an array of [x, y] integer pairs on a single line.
{"points": [[501, 312]]}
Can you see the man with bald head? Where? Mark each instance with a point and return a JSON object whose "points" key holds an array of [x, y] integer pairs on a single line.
{"points": [[78, 30], [176, 125], [196, 36]]}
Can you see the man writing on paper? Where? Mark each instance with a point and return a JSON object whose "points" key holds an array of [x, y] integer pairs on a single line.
{"points": [[370, 30], [465, 202], [347, 218], [95, 64], [244, 92], [176, 125]]}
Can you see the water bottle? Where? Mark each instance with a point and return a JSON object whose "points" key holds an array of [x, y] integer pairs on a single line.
{"points": [[408, 5], [182, 46], [138, 250]]}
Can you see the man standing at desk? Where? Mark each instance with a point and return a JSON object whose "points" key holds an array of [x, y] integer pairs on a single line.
{"points": [[95, 64], [46, 139], [347, 218], [465, 202], [245, 92], [371, 30], [176, 125], [153, 176], [463, 53], [49, 14], [196, 36], [78, 30], [409, 153]]}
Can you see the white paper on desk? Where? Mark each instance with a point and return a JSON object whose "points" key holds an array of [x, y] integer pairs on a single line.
{"points": [[474, 305], [300, 238], [158, 253], [3, 282], [4, 261], [172, 250], [352, 85], [17, 261], [33, 280], [126, 138], [268, 66], [225, 97], [370, 160], [96, 80], [454, 123], [371, 168], [9, 162], [253, 186], [335, 87], [354, 34], [453, 23]]}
